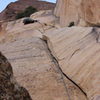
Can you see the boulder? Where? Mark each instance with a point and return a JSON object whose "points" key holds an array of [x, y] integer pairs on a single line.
{"points": [[9, 88], [29, 21]]}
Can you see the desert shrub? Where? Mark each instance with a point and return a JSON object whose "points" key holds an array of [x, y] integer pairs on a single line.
{"points": [[19, 15], [28, 11], [71, 24]]}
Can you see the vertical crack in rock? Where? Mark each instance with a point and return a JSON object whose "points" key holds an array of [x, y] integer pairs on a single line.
{"points": [[60, 70], [9, 88], [56, 63]]}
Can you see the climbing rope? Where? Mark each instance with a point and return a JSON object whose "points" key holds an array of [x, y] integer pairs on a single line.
{"points": [[59, 69], [62, 78]]}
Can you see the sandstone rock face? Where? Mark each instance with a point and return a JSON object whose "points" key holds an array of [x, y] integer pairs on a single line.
{"points": [[90, 11], [36, 71], [51, 62], [78, 53], [33, 65], [9, 88], [82, 12], [67, 10]]}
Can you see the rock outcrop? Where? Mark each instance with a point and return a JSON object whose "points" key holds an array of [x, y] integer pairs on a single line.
{"points": [[32, 61], [82, 12], [9, 88], [78, 54], [19, 6], [51, 62]]}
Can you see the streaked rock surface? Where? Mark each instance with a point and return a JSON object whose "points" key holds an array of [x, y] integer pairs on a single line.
{"points": [[33, 66], [82, 12], [41, 53], [67, 11], [78, 52], [9, 88], [35, 70]]}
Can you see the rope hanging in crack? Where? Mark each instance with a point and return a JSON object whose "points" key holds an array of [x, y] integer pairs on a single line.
{"points": [[59, 69], [63, 79]]}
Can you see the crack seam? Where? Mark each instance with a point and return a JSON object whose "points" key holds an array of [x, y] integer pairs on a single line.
{"points": [[57, 65], [61, 72]]}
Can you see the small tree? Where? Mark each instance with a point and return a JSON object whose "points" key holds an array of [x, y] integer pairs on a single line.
{"points": [[28, 11]]}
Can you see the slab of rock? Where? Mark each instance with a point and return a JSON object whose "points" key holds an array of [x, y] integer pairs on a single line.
{"points": [[33, 65], [9, 88], [51, 70], [78, 54], [17, 30], [36, 71], [67, 11]]}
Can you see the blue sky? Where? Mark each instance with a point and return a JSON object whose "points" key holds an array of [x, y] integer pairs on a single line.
{"points": [[4, 3]]}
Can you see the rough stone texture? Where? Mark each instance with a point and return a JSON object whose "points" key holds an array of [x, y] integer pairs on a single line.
{"points": [[33, 66], [75, 50], [82, 12], [19, 6], [78, 52], [34, 69], [90, 11], [67, 10], [9, 88], [17, 30]]}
